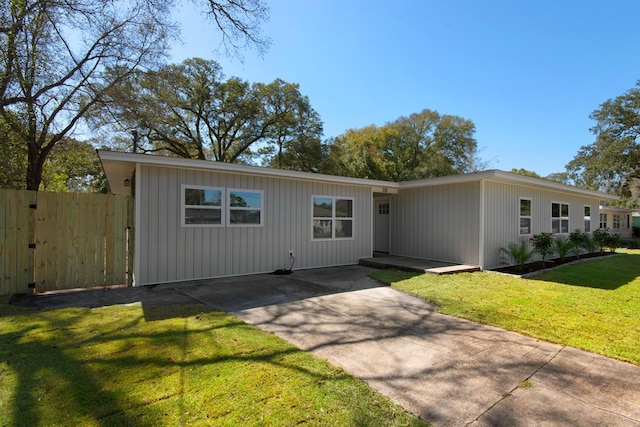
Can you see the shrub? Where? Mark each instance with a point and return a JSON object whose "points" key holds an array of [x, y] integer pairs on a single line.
{"points": [[631, 243], [542, 244], [606, 239], [588, 243], [518, 253], [577, 239], [562, 246]]}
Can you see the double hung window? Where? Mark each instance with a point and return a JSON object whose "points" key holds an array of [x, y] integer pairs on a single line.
{"points": [[617, 220], [525, 217], [202, 206], [603, 220], [559, 218], [216, 207], [245, 208], [332, 217], [587, 219]]}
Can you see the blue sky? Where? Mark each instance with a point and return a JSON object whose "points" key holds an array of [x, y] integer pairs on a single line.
{"points": [[527, 73]]}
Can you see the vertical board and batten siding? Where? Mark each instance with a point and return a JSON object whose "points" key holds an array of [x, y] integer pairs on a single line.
{"points": [[502, 216], [169, 252], [437, 222], [625, 218]]}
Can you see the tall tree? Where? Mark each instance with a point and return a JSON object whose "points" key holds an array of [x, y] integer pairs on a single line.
{"points": [[13, 158], [422, 145], [294, 140], [612, 162], [189, 110], [54, 54]]}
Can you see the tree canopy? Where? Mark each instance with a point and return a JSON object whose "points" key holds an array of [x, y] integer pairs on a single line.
{"points": [[612, 162], [54, 54], [190, 110], [422, 145]]}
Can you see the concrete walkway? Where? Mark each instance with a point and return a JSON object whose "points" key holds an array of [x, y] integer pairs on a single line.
{"points": [[418, 265], [450, 371]]}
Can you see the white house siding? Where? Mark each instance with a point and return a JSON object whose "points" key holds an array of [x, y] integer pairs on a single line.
{"points": [[502, 215], [437, 222], [167, 251], [626, 221]]}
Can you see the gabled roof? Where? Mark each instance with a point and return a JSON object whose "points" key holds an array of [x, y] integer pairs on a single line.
{"points": [[120, 166]]}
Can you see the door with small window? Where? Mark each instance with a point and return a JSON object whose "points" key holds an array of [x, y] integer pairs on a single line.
{"points": [[381, 225]]}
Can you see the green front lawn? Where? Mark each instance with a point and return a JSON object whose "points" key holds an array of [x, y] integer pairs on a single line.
{"points": [[173, 366], [593, 305]]}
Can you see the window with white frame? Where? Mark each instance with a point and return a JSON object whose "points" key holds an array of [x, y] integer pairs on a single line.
{"points": [[525, 217], [587, 219], [202, 206], [559, 218], [603, 220], [617, 220], [332, 217], [244, 208]]}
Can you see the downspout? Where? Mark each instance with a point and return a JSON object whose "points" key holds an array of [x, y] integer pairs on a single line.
{"points": [[137, 225], [481, 227]]}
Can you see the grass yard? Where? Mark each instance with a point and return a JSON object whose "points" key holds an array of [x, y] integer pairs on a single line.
{"points": [[593, 305], [180, 365]]}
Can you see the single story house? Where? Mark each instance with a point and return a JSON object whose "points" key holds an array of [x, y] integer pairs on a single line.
{"points": [[618, 220], [201, 219]]}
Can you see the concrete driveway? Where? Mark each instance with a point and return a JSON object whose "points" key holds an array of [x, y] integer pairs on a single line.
{"points": [[450, 371]]}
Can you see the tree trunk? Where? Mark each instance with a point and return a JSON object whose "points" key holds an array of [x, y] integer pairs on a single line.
{"points": [[34, 168]]}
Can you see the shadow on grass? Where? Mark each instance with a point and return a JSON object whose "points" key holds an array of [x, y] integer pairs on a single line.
{"points": [[63, 368], [609, 273]]}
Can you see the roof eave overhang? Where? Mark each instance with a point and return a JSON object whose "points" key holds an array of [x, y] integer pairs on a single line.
{"points": [[508, 178], [120, 166]]}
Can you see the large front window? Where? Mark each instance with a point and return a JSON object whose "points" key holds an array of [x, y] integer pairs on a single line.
{"points": [[332, 217], [559, 218], [218, 207], [202, 206], [245, 207]]}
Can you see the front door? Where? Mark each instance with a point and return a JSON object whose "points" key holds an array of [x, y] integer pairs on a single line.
{"points": [[381, 225]]}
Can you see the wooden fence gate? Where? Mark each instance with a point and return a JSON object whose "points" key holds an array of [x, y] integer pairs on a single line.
{"points": [[51, 241]]}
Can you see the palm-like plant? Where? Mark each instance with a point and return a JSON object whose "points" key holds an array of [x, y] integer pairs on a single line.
{"points": [[562, 246], [517, 253]]}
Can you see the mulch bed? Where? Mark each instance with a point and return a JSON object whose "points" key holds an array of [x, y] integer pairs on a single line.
{"points": [[537, 266]]}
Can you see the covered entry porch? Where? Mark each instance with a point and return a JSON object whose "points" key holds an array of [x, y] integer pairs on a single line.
{"points": [[419, 265]]}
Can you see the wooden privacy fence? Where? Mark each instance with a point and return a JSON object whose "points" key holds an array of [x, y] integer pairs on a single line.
{"points": [[51, 241]]}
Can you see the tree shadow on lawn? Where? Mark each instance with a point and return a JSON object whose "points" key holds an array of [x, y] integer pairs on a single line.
{"points": [[609, 273], [63, 369]]}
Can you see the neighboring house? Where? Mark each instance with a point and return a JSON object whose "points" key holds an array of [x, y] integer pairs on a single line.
{"points": [[200, 219], [618, 220]]}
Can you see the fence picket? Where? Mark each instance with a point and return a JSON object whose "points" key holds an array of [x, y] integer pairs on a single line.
{"points": [[81, 240]]}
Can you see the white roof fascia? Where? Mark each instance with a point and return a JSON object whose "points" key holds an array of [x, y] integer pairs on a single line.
{"points": [[507, 177], [108, 157], [114, 163], [615, 209]]}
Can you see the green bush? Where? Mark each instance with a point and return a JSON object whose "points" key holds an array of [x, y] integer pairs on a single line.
{"points": [[562, 246], [577, 239], [631, 243], [542, 244], [518, 254], [606, 239], [588, 243]]}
